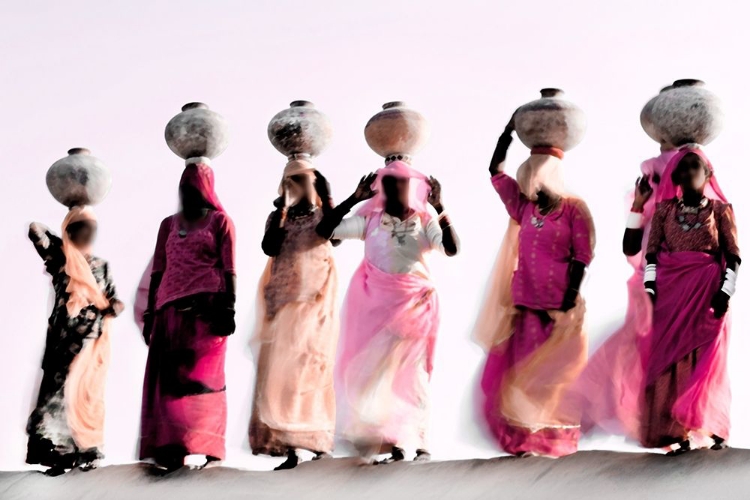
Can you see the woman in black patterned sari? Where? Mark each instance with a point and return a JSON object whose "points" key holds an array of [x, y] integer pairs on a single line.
{"points": [[66, 427]]}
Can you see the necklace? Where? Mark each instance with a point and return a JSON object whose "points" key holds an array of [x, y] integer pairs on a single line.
{"points": [[689, 216], [538, 222]]}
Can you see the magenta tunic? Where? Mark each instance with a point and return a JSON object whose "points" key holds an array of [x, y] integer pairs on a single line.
{"points": [[539, 284], [544, 253], [184, 400], [197, 262]]}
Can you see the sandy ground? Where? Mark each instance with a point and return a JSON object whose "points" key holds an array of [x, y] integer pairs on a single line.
{"points": [[589, 474]]}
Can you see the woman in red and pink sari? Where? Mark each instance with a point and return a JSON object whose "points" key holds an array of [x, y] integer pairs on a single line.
{"points": [[390, 316], [692, 260], [190, 313], [532, 320]]}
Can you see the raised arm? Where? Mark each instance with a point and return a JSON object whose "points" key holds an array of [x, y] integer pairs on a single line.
{"points": [[633, 238], [497, 163], [448, 237], [47, 245], [333, 218], [275, 233]]}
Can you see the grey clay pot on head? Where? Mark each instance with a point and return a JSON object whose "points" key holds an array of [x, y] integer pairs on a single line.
{"points": [[687, 113], [79, 179], [647, 122], [550, 121], [397, 129], [197, 131], [300, 129]]}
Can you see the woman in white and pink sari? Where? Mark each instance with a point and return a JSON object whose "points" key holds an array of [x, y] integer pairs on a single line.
{"points": [[390, 315]]}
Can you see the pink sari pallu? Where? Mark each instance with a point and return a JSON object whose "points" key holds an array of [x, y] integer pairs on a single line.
{"points": [[390, 323], [684, 323]]}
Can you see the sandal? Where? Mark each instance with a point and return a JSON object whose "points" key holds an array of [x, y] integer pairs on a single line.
{"points": [[684, 448]]}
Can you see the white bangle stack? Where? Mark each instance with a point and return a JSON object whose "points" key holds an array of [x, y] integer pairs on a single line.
{"points": [[649, 274], [730, 282], [635, 220]]}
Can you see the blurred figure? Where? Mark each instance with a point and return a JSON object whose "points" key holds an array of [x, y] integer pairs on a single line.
{"points": [[692, 262], [66, 429], [532, 321], [390, 316], [189, 315], [294, 405], [610, 386]]}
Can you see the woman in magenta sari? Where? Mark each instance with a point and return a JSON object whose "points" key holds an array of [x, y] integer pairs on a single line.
{"points": [[532, 322], [190, 313], [390, 316], [692, 260], [610, 386]]}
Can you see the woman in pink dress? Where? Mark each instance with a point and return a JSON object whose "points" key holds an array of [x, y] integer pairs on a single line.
{"points": [[532, 323], [692, 260], [390, 315], [189, 315], [294, 404]]}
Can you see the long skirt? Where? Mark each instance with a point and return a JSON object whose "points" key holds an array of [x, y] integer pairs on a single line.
{"points": [[66, 428], [527, 383], [294, 405], [611, 386], [390, 323], [184, 408], [686, 387]]}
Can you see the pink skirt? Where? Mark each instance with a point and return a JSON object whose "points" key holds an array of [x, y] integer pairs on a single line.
{"points": [[184, 408], [527, 380]]}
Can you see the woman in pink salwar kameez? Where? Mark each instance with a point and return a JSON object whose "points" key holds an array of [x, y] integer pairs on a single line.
{"points": [[390, 315], [190, 313], [532, 321], [692, 260]]}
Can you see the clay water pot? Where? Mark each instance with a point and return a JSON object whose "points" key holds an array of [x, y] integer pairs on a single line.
{"points": [[300, 130], [397, 129], [647, 117], [79, 179], [197, 131], [550, 121], [686, 113]]}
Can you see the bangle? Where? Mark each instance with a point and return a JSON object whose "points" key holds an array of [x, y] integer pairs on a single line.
{"points": [[635, 220], [730, 282], [442, 215], [649, 273]]}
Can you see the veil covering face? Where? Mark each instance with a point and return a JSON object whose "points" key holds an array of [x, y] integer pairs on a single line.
{"points": [[419, 190]]}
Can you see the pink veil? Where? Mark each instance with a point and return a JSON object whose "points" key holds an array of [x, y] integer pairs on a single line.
{"points": [[668, 190], [419, 189]]}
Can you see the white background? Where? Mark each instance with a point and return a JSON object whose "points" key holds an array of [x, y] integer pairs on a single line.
{"points": [[109, 75]]}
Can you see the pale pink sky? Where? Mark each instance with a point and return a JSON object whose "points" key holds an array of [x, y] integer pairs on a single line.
{"points": [[108, 76]]}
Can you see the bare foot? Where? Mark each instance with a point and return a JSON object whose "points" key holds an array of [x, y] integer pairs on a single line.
{"points": [[423, 456]]}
